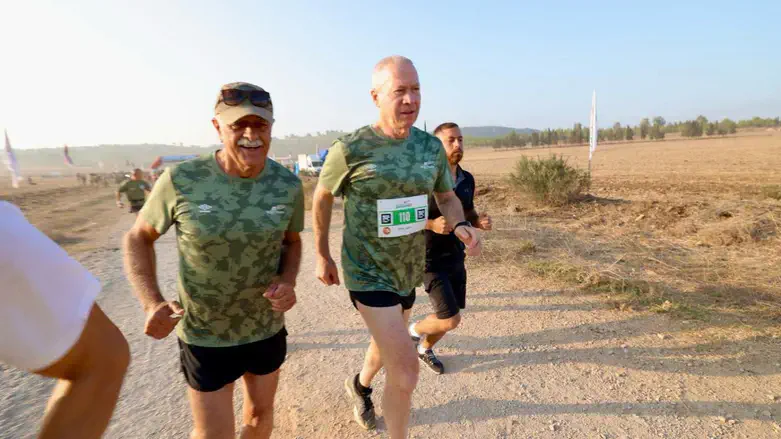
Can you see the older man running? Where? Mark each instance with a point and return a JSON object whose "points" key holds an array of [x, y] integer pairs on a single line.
{"points": [[386, 172], [233, 210]]}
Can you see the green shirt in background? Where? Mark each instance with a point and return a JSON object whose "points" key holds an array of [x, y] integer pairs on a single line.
{"points": [[385, 184], [229, 234], [135, 190]]}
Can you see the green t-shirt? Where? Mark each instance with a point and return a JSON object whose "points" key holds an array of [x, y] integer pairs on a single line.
{"points": [[385, 184], [229, 234], [135, 190]]}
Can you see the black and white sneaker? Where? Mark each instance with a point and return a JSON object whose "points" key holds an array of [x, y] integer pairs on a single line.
{"points": [[431, 360], [363, 408], [412, 334]]}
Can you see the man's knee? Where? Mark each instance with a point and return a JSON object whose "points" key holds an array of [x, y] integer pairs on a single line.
{"points": [[259, 414], [451, 323], [403, 374]]}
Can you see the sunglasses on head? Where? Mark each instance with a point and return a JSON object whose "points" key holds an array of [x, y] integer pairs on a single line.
{"points": [[258, 98]]}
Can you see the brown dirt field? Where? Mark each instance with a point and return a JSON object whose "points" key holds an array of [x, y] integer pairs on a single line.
{"points": [[684, 222]]}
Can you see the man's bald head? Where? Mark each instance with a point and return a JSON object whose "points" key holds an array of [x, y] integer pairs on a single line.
{"points": [[396, 92], [385, 68]]}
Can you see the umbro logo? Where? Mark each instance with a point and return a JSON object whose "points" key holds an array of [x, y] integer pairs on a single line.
{"points": [[428, 165], [205, 208], [280, 208]]}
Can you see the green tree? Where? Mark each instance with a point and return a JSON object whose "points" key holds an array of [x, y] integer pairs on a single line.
{"points": [[657, 130], [618, 132], [711, 129], [728, 126], [645, 128], [577, 133], [535, 138], [629, 133]]}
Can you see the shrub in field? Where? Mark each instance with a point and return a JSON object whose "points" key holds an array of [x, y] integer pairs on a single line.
{"points": [[773, 192], [549, 180]]}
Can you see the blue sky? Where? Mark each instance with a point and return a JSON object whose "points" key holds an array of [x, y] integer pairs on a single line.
{"points": [[91, 72]]}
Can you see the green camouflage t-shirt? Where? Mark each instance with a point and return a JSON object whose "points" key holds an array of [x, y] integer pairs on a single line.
{"points": [[229, 234], [135, 190], [385, 184]]}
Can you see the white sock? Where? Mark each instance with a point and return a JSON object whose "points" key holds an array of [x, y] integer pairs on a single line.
{"points": [[412, 331], [421, 349]]}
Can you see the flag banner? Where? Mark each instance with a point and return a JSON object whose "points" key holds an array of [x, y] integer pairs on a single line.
{"points": [[68, 160], [593, 130], [11, 163]]}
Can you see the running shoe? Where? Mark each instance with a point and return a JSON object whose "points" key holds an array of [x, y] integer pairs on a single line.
{"points": [[363, 408], [431, 360]]}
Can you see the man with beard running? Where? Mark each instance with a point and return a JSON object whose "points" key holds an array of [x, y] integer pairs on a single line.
{"points": [[386, 173], [445, 277]]}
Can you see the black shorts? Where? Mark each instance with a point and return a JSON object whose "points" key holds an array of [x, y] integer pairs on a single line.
{"points": [[382, 299], [447, 291], [209, 369], [135, 208]]}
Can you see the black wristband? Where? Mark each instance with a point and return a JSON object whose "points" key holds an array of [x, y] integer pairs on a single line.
{"points": [[462, 223]]}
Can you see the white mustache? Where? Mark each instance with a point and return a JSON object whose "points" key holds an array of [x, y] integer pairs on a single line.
{"points": [[246, 143]]}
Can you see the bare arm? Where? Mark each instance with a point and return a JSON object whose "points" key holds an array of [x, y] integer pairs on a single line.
{"points": [[141, 264], [323, 205], [453, 211], [292, 261], [450, 206]]}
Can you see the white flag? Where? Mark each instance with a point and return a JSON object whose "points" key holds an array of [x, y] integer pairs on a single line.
{"points": [[594, 135], [11, 163]]}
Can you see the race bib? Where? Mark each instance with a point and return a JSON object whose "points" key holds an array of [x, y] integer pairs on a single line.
{"points": [[401, 216]]}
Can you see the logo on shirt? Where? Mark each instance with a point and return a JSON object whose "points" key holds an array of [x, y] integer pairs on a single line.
{"points": [[204, 208], [278, 209], [370, 169], [428, 165]]}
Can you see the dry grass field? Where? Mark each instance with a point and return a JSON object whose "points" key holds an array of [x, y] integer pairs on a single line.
{"points": [[688, 228]]}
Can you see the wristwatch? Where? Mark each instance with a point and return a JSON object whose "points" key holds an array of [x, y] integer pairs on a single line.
{"points": [[462, 223]]}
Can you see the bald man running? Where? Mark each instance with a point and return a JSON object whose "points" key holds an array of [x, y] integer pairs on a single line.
{"points": [[386, 172]]}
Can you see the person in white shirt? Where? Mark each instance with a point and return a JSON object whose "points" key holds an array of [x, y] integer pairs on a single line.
{"points": [[51, 326]]}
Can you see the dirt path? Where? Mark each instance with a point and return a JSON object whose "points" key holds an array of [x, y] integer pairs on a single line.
{"points": [[525, 364]]}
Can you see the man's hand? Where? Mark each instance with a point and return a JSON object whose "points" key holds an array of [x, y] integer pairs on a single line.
{"points": [[281, 295], [439, 226], [468, 235], [485, 222], [120, 204], [162, 318], [327, 271]]}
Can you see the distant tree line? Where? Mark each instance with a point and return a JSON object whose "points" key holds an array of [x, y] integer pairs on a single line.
{"points": [[648, 129]]}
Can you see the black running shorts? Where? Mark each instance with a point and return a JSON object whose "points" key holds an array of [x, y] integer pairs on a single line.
{"points": [[447, 291], [135, 208], [209, 369], [382, 299]]}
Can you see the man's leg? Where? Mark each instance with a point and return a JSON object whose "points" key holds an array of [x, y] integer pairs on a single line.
{"points": [[90, 378], [390, 336], [212, 413], [372, 362], [433, 328], [259, 393]]}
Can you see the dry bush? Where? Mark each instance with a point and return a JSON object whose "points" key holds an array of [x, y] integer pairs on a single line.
{"points": [[549, 180], [773, 192], [735, 231]]}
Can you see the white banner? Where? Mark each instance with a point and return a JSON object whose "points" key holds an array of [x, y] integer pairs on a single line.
{"points": [[593, 130], [11, 163]]}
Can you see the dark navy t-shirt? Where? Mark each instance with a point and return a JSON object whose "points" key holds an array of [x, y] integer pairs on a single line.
{"points": [[447, 251]]}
